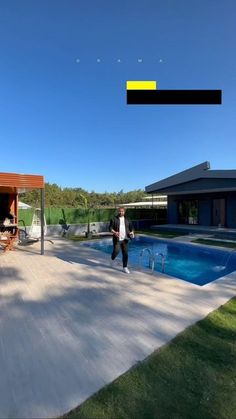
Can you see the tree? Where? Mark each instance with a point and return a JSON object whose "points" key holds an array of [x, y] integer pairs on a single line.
{"points": [[55, 196]]}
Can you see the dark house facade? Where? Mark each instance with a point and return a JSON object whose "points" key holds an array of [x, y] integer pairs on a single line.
{"points": [[200, 196]]}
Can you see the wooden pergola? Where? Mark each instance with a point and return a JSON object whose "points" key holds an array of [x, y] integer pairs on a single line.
{"points": [[11, 184]]}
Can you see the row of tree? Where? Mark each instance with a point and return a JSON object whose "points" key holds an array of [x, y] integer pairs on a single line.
{"points": [[55, 196]]}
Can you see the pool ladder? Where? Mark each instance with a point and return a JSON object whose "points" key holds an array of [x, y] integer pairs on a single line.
{"points": [[152, 259]]}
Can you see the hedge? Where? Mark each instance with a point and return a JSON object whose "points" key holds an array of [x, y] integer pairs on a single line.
{"points": [[78, 216]]}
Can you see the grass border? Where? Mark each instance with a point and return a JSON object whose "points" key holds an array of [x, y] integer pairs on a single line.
{"points": [[191, 377]]}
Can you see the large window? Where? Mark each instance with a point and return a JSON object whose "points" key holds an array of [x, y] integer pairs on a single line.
{"points": [[188, 211]]}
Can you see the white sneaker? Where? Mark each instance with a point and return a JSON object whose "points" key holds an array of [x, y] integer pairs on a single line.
{"points": [[126, 270]]}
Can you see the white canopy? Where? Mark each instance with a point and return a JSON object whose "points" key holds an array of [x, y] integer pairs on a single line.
{"points": [[156, 204], [22, 205]]}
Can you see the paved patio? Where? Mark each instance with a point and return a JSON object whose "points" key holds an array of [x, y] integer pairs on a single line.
{"points": [[69, 324]]}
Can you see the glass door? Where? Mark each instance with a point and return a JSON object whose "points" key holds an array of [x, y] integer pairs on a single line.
{"points": [[188, 211]]}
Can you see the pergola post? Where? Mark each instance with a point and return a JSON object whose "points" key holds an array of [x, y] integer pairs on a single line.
{"points": [[42, 221]]}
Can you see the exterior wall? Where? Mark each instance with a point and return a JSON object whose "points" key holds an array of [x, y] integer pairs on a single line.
{"points": [[172, 210], [205, 212], [231, 211], [205, 207], [97, 227]]}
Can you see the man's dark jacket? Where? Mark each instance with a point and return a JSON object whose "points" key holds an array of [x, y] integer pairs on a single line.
{"points": [[115, 225]]}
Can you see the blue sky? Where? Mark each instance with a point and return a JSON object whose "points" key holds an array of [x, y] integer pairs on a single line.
{"points": [[63, 114]]}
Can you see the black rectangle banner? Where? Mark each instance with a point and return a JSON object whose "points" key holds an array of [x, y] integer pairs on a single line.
{"points": [[174, 97]]}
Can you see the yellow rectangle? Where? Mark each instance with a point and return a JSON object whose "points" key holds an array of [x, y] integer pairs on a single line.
{"points": [[141, 85]]}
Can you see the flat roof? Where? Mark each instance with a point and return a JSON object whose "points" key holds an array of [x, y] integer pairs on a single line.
{"points": [[146, 204], [16, 182]]}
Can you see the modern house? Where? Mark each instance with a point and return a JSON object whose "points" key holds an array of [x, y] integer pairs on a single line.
{"points": [[199, 196]]}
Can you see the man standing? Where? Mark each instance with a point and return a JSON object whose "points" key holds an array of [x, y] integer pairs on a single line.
{"points": [[122, 231]]}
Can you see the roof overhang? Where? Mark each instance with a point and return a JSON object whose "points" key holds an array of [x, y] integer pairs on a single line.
{"points": [[17, 183], [201, 171], [200, 191]]}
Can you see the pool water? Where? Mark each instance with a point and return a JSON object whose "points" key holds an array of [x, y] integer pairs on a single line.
{"points": [[196, 264]]}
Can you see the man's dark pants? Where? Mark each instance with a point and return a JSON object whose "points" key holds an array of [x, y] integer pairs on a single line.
{"points": [[123, 245]]}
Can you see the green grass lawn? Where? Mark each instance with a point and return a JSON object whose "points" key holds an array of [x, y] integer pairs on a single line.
{"points": [[193, 377], [161, 233], [220, 243]]}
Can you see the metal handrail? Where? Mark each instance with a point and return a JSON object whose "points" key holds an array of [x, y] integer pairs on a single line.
{"points": [[142, 253], [155, 259]]}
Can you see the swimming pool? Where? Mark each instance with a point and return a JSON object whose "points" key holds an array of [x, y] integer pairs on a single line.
{"points": [[196, 264]]}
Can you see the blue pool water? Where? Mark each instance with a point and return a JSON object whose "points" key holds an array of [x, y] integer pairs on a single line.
{"points": [[196, 264]]}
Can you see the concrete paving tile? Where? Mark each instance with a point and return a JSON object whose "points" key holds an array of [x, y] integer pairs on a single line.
{"points": [[70, 324]]}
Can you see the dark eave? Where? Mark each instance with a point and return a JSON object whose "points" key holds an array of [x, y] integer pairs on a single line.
{"points": [[201, 171]]}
